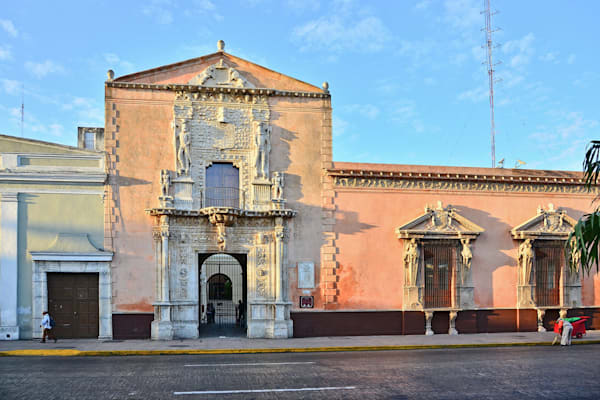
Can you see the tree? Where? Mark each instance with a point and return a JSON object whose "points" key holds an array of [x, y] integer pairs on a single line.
{"points": [[582, 243]]}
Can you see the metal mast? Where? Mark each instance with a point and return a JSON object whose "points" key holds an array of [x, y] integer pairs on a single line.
{"points": [[490, 67]]}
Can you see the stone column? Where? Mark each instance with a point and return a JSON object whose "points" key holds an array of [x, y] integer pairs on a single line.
{"points": [[162, 326], [278, 264], [452, 330], [428, 318], [540, 319], [9, 208]]}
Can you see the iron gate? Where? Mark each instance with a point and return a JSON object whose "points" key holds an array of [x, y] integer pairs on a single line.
{"points": [[222, 296], [548, 264], [439, 270]]}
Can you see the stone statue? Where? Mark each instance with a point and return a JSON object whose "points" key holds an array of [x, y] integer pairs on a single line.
{"points": [[165, 182], [263, 148], [467, 256], [411, 261], [183, 151], [278, 183], [526, 261]]}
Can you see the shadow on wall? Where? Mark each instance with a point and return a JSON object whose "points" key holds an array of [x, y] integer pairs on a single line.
{"points": [[116, 181], [347, 223], [587, 280], [494, 258]]}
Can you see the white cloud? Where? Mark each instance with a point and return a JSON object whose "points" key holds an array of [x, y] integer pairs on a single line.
{"points": [[520, 51], [345, 30], [87, 110], [32, 126], [44, 68], [339, 126], [551, 56], [475, 95], [418, 51], [463, 15], [11, 86], [571, 59], [366, 110], [9, 27], [405, 113], [5, 53], [160, 10], [565, 143], [423, 4], [303, 5], [121, 67]]}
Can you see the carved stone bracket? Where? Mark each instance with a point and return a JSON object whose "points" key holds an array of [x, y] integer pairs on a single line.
{"points": [[221, 220]]}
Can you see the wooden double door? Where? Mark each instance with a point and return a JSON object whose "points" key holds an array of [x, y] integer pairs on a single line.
{"points": [[73, 303]]}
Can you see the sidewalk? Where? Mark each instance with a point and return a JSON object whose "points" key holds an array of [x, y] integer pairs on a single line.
{"points": [[225, 345]]}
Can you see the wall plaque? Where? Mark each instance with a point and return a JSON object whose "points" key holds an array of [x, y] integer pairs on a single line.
{"points": [[306, 275], [307, 301]]}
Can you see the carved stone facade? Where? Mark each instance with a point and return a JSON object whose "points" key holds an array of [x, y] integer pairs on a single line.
{"points": [[549, 225], [215, 128], [438, 224]]}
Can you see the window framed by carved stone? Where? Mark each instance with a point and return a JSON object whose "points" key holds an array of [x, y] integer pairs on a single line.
{"points": [[439, 272], [544, 279], [437, 259], [222, 185]]}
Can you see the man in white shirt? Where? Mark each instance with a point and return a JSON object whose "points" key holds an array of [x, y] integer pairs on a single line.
{"points": [[47, 328]]}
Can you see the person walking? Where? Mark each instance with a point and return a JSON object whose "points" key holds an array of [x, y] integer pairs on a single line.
{"points": [[47, 324]]}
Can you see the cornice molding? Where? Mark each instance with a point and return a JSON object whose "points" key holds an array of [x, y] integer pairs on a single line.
{"points": [[456, 182], [56, 177], [213, 89]]}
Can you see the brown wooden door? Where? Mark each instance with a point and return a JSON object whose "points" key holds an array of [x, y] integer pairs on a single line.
{"points": [[73, 303]]}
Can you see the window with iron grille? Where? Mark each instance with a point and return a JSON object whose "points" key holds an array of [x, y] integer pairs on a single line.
{"points": [[548, 265], [222, 186], [439, 266]]}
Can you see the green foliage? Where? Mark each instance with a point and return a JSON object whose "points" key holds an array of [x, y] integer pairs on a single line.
{"points": [[582, 244]]}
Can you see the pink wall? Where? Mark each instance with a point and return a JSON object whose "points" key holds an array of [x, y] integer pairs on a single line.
{"points": [[370, 256]]}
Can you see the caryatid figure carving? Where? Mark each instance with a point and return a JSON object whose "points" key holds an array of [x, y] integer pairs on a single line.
{"points": [[278, 183], [184, 142], [526, 261], [467, 256], [263, 148], [165, 182], [411, 261]]}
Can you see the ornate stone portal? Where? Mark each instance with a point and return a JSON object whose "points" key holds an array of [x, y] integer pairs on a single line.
{"points": [[232, 128], [438, 224], [548, 225]]}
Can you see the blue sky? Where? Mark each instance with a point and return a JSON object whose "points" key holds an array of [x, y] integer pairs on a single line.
{"points": [[407, 81]]}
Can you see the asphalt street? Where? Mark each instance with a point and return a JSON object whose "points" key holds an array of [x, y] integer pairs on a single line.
{"points": [[477, 373]]}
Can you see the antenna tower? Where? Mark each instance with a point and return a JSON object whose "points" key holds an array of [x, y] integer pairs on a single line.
{"points": [[490, 68]]}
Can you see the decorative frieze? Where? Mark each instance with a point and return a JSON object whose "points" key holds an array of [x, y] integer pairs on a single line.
{"points": [[464, 184]]}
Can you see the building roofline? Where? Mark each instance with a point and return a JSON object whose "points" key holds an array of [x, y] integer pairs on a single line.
{"points": [[182, 64], [49, 144]]}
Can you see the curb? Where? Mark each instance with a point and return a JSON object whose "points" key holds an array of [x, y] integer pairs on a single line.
{"points": [[92, 353]]}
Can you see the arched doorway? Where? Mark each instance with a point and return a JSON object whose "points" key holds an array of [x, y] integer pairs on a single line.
{"points": [[222, 295]]}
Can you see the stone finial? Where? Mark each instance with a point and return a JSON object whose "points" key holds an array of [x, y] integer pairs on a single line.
{"points": [[326, 86], [111, 74], [221, 45]]}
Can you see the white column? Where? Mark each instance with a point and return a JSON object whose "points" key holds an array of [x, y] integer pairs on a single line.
{"points": [[9, 208]]}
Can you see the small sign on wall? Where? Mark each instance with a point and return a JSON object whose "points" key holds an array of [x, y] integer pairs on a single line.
{"points": [[306, 275], [307, 301]]}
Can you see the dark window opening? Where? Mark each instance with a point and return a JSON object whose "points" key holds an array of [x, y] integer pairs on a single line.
{"points": [[222, 186]]}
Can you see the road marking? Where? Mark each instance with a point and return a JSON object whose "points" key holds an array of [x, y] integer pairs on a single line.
{"points": [[242, 364], [267, 390]]}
